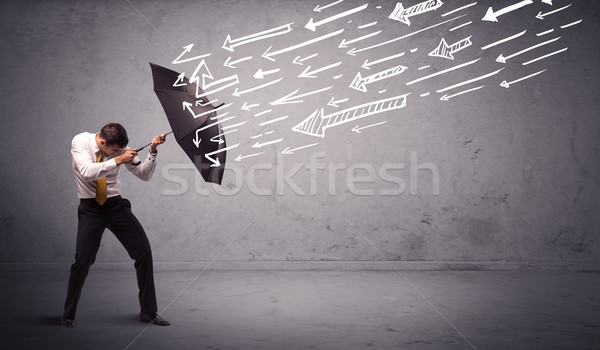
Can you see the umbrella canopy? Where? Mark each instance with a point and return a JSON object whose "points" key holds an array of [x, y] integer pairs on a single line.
{"points": [[199, 134]]}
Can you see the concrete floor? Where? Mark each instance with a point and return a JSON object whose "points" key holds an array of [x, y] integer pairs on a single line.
{"points": [[310, 310]]}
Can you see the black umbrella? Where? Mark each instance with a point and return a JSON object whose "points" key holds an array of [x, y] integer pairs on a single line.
{"points": [[199, 134]]}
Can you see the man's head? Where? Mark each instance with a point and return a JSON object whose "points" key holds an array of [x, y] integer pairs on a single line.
{"points": [[112, 138]]}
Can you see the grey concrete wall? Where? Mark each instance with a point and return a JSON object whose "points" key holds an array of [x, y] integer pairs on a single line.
{"points": [[518, 167]]}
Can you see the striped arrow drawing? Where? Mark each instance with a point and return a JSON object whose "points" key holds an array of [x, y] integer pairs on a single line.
{"points": [[401, 14], [492, 16], [359, 83], [313, 25], [229, 43], [445, 51], [318, 122]]}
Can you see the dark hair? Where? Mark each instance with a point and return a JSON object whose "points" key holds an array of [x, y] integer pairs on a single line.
{"points": [[114, 134]]}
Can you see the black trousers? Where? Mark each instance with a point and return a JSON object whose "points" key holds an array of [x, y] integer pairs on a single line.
{"points": [[115, 215]]}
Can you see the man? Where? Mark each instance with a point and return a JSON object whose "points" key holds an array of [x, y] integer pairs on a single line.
{"points": [[97, 159]]}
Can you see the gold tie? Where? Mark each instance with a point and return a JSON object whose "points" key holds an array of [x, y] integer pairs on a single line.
{"points": [[100, 185]]}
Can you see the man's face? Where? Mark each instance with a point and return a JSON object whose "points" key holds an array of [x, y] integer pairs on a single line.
{"points": [[109, 150]]}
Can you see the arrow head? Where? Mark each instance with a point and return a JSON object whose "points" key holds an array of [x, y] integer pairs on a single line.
{"points": [[317, 8], [259, 74], [266, 54], [239, 158], [490, 16], [188, 48], [365, 65], [197, 141], [186, 104], [356, 129], [256, 145], [227, 43], [501, 59], [539, 15], [227, 64], [505, 84], [442, 50], [236, 93], [444, 98], [352, 51], [287, 151], [306, 74], [358, 84], [343, 44], [310, 25], [216, 163], [296, 61]]}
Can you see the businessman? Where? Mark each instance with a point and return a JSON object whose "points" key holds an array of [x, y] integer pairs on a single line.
{"points": [[97, 159]]}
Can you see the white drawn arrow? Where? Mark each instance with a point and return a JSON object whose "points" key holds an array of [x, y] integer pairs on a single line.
{"points": [[541, 15], [307, 74], [299, 60], [317, 122], [268, 55], [197, 140], [359, 83], [216, 162], [293, 98], [445, 51], [247, 107], [503, 40], [507, 84], [218, 139], [334, 103], [238, 93], [492, 16], [229, 43], [207, 85], [260, 74], [354, 51], [313, 25], [318, 8], [240, 157], [229, 63], [401, 14], [345, 42], [357, 129], [259, 145], [179, 81], [448, 97], [470, 80], [189, 107], [186, 50], [287, 150], [368, 64], [503, 59]]}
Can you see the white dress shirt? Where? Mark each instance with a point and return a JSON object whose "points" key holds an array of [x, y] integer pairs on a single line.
{"points": [[85, 153]]}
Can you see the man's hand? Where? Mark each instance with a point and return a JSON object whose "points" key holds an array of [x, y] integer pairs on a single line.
{"points": [[126, 157], [157, 140]]}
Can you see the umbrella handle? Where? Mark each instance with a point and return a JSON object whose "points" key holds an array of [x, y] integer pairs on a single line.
{"points": [[141, 148]]}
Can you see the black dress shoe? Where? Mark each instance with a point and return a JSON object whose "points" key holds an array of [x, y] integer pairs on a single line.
{"points": [[154, 319], [67, 323]]}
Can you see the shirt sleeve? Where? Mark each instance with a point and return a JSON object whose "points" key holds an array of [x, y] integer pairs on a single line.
{"points": [[86, 164], [144, 170]]}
